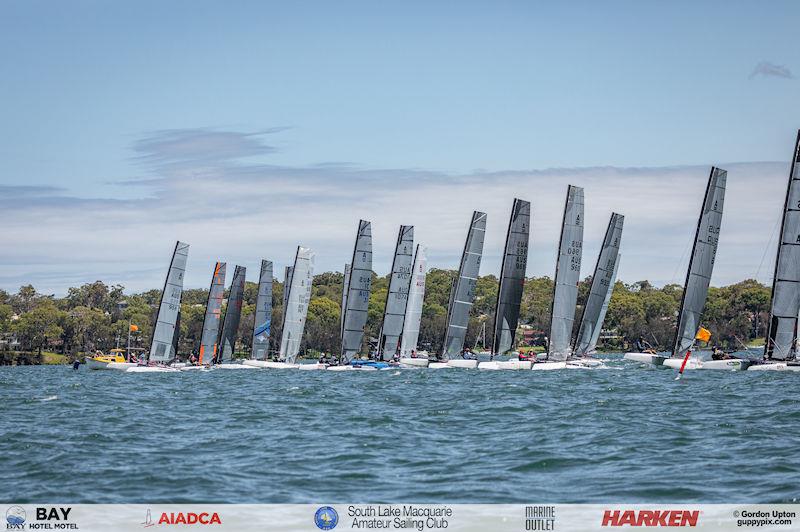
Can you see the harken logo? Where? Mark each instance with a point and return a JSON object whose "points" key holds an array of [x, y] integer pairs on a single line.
{"points": [[15, 518], [650, 517]]}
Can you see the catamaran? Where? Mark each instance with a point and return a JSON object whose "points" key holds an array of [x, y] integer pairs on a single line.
{"points": [[263, 315], [780, 348], [565, 287], [462, 295], [359, 284], [295, 311], [230, 325], [397, 295], [162, 344], [509, 292], [594, 311], [413, 315], [211, 320]]}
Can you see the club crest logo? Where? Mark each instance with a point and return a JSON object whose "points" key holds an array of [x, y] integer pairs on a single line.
{"points": [[326, 518]]}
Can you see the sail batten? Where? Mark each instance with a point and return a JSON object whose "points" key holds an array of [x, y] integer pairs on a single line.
{"points": [[397, 295], [512, 278], [296, 309], [211, 320], [600, 291], [701, 262], [262, 322], [462, 293], [162, 345], [416, 295], [358, 290], [233, 314], [781, 341], [568, 270]]}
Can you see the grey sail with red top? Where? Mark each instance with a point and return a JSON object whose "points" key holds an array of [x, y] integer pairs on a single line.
{"points": [[603, 280], [162, 345], [397, 295], [512, 278], [296, 309], [462, 294], [358, 291], [568, 271], [233, 314], [211, 320], [781, 341], [262, 322], [701, 263]]}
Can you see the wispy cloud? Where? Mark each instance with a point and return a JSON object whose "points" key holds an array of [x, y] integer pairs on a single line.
{"points": [[767, 69], [204, 190]]}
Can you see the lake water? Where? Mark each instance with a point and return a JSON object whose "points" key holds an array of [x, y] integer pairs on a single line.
{"points": [[627, 433]]}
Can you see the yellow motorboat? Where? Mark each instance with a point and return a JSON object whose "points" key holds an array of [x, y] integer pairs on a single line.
{"points": [[114, 360]]}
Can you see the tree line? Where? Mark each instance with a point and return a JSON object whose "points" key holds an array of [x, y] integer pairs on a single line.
{"points": [[97, 316]]}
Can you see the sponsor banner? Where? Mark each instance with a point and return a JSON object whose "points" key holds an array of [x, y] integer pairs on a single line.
{"points": [[401, 517]]}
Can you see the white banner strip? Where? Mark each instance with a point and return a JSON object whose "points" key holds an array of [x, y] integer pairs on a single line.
{"points": [[408, 517]]}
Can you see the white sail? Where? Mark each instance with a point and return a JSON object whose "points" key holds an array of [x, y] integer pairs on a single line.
{"points": [[294, 315], [416, 295], [358, 290], [262, 320], [162, 345], [568, 271], [397, 295]]}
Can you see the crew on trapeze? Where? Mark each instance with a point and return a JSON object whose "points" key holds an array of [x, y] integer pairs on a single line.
{"points": [[643, 347]]}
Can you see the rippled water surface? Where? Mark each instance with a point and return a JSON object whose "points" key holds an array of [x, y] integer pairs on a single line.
{"points": [[624, 434]]}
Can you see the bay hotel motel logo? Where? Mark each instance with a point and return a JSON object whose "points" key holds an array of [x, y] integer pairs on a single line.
{"points": [[46, 519]]}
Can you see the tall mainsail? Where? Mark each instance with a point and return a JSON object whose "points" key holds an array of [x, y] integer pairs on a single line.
{"points": [[287, 282], [568, 271], [397, 295], [416, 294], [462, 293], [701, 263], [358, 289], [512, 278], [602, 285], [263, 316], [345, 288], [782, 332], [210, 335], [230, 326], [603, 310], [296, 309], [161, 345]]}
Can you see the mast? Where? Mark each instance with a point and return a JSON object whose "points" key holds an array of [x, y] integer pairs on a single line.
{"points": [[358, 291], [462, 293], [397, 294], [602, 285], [568, 270], [230, 326], [287, 282], [416, 295], [701, 263], [161, 341], [512, 278], [211, 319], [345, 288], [781, 337], [262, 320]]}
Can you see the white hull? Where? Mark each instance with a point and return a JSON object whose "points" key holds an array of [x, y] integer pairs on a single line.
{"points": [[584, 363], [464, 364], [646, 358], [152, 369], [508, 365], [340, 368], [420, 362], [193, 368], [233, 366], [178, 365], [121, 366], [548, 366], [733, 364], [439, 365], [311, 367], [773, 366], [270, 364]]}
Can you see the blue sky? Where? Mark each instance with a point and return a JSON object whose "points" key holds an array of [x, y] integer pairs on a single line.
{"points": [[123, 121]]}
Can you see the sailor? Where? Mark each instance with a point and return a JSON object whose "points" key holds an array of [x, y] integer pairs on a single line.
{"points": [[640, 345], [718, 354], [396, 357], [413, 353], [193, 359], [522, 356]]}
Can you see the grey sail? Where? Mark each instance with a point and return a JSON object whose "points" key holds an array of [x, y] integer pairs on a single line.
{"points": [[600, 291], [358, 290], [512, 278], [416, 295], [701, 263], [162, 343], [345, 287], [296, 310], [782, 332], [233, 313], [287, 282], [462, 293], [603, 310], [568, 271], [262, 322], [211, 320], [397, 296]]}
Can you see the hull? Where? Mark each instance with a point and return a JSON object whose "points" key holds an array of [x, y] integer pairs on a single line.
{"points": [[774, 366], [269, 364], [646, 358], [340, 368], [193, 368], [440, 365], [507, 365], [419, 362], [584, 363], [152, 369], [233, 366], [733, 364], [464, 364], [549, 366], [311, 367], [92, 363], [121, 366]]}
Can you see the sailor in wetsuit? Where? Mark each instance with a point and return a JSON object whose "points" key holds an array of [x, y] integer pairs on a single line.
{"points": [[719, 354]]}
